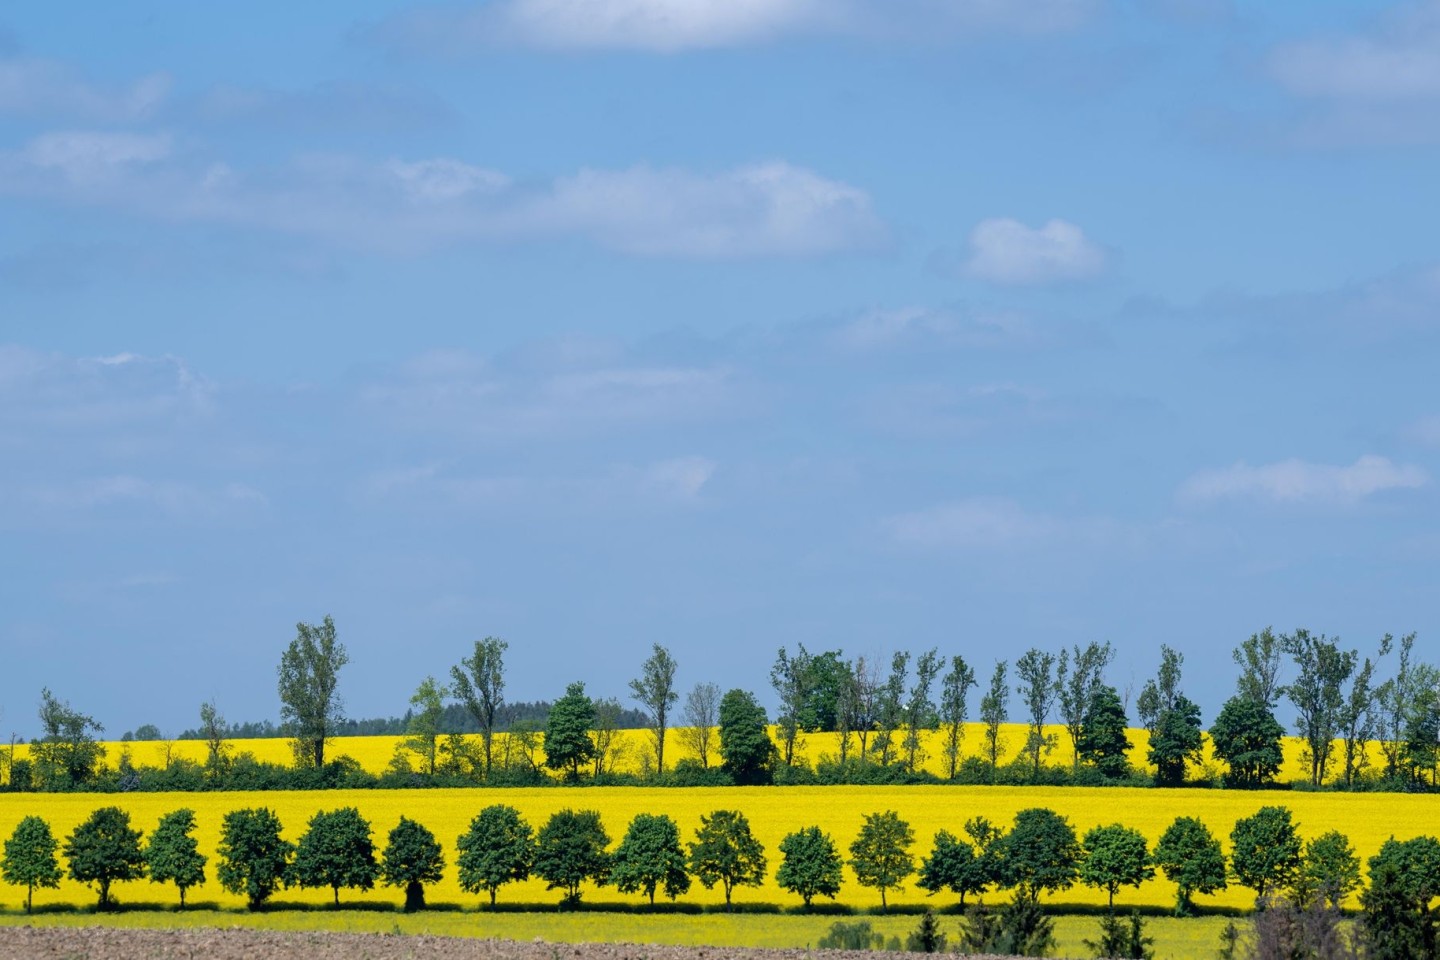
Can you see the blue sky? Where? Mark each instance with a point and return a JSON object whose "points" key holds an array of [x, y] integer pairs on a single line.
{"points": [[722, 324]]}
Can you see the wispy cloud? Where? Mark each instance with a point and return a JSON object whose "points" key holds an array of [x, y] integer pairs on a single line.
{"points": [[994, 523], [1396, 60], [46, 391], [171, 497], [45, 88], [1298, 481], [1006, 251]]}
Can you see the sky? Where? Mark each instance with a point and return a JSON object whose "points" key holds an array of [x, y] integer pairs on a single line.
{"points": [[725, 325]]}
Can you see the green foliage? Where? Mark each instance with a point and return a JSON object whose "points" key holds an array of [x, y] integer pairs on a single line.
{"points": [[811, 866], [994, 711], [746, 752], [1103, 741], [479, 685], [954, 709], [1192, 859], [1036, 670], [570, 850], [336, 851], [1265, 851], [173, 855], [650, 856], [1247, 736], [254, 859], [724, 851], [1019, 928], [926, 938], [851, 936], [1317, 693], [1077, 679], [29, 859], [1395, 924], [880, 855], [1329, 872], [213, 730], [568, 746], [919, 713], [427, 707], [308, 675], [1177, 740], [412, 858], [1040, 853], [105, 850], [499, 848], [655, 689], [1122, 939], [1115, 857], [67, 754], [953, 865]]}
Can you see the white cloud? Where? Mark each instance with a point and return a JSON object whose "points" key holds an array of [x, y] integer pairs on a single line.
{"points": [[1296, 481], [1426, 430], [81, 156], [678, 479], [44, 88], [171, 497], [978, 522], [1397, 60], [48, 391], [1006, 251], [928, 328]]}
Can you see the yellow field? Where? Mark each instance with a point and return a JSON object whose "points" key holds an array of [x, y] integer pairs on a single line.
{"points": [[1368, 819]]}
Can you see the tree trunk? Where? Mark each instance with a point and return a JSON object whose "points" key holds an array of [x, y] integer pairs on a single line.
{"points": [[182, 898], [414, 896], [884, 908], [29, 897], [337, 895], [492, 896]]}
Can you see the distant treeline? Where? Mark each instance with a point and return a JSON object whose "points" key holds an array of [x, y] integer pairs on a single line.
{"points": [[453, 719]]}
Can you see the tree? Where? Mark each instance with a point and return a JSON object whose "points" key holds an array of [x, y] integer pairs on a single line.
{"points": [[1246, 736], [1115, 857], [1396, 924], [1192, 859], [29, 859], [173, 855], [955, 866], [67, 753], [1103, 741], [254, 859], [1176, 741], [926, 938], [810, 866], [605, 733], [1329, 872], [830, 675], [499, 848], [105, 850], [1321, 671], [650, 856], [479, 684], [724, 851], [1265, 851], [1077, 679], [1035, 668], [746, 752], [791, 678], [427, 710], [655, 689], [1395, 702], [954, 709], [217, 751], [994, 711], [1163, 692], [1040, 853], [880, 855], [570, 850], [568, 745], [336, 851], [412, 858], [702, 705], [890, 705], [308, 674], [1357, 719], [1259, 661], [919, 708]]}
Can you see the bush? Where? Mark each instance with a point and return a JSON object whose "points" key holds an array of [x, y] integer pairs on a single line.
{"points": [[1122, 939], [1019, 928], [851, 936], [926, 938]]}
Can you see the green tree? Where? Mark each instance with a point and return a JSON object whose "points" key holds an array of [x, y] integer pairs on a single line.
{"points": [[1259, 661], [890, 705], [1246, 736], [1396, 924], [1163, 691], [954, 865], [568, 745], [655, 689], [919, 707], [994, 711], [792, 678], [1103, 741], [308, 675], [954, 709], [1329, 872], [1191, 858], [1078, 678], [499, 848], [1394, 703], [1358, 719], [29, 859], [427, 710], [1317, 693], [1040, 854], [1265, 852], [702, 706], [1115, 856], [724, 851], [810, 866], [650, 856], [830, 674], [746, 752], [217, 752], [1176, 741], [479, 684], [880, 854], [1123, 938], [173, 855], [336, 851], [412, 858], [105, 850], [570, 850], [1036, 670], [254, 858], [67, 753]]}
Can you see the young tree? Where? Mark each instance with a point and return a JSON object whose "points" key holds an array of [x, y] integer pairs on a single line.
{"points": [[1317, 693], [173, 855], [1259, 661], [605, 734], [1395, 703], [1247, 736], [217, 751], [1329, 872], [568, 745], [570, 850], [1192, 859], [953, 865], [650, 856], [811, 866], [1036, 670], [105, 850], [1040, 854], [880, 855], [791, 678], [954, 709], [724, 851], [499, 848], [479, 684], [702, 706], [336, 851], [1265, 852], [67, 753], [890, 705], [919, 707], [862, 704], [1357, 719], [412, 858], [29, 859], [994, 711], [308, 675], [1163, 692], [427, 710], [1104, 742], [1076, 681], [1176, 741], [655, 689], [746, 752], [1115, 857], [254, 859]]}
